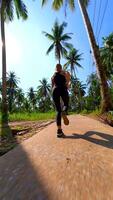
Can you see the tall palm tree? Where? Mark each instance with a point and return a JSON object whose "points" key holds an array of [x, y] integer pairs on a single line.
{"points": [[12, 85], [77, 93], [73, 59], [44, 88], [106, 53], [78, 90], [93, 90], [32, 97], [19, 99], [44, 95], [7, 13], [59, 40], [106, 102]]}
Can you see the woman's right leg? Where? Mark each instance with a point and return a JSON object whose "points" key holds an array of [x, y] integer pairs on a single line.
{"points": [[56, 99], [65, 98]]}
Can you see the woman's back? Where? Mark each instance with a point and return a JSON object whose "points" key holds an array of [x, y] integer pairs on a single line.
{"points": [[59, 80]]}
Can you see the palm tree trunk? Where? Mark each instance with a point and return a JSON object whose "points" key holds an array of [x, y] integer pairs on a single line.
{"points": [[59, 58], [4, 86], [5, 129], [106, 102]]}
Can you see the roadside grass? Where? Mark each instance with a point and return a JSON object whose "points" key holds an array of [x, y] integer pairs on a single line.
{"points": [[30, 116], [106, 117], [6, 144]]}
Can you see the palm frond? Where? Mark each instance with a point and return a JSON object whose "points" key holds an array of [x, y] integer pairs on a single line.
{"points": [[44, 2], [85, 2], [9, 10], [61, 28], [67, 45], [50, 49], [66, 36], [72, 4], [66, 65], [49, 36], [57, 4], [79, 65], [21, 9], [63, 51]]}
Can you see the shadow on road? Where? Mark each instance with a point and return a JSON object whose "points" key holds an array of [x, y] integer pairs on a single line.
{"points": [[19, 179], [106, 141]]}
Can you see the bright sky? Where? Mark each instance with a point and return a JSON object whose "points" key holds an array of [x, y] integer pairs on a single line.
{"points": [[27, 46]]}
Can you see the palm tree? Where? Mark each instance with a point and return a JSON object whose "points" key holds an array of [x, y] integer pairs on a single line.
{"points": [[106, 53], [12, 85], [106, 102], [59, 40], [7, 13], [45, 88], [44, 95], [77, 92], [93, 91], [32, 97], [73, 59], [19, 101]]}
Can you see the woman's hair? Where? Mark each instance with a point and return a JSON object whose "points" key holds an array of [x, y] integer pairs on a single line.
{"points": [[58, 67]]}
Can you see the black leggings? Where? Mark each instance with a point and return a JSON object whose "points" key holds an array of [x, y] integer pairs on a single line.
{"points": [[59, 93]]}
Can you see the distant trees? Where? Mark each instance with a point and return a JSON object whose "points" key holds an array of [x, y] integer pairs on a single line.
{"points": [[44, 95], [32, 101]]}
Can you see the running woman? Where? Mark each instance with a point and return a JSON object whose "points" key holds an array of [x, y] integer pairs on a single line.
{"points": [[60, 84]]}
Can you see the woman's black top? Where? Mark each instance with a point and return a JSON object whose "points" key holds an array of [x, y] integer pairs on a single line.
{"points": [[59, 80]]}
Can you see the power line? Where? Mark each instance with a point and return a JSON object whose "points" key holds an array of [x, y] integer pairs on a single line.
{"points": [[95, 3], [105, 8], [98, 17]]}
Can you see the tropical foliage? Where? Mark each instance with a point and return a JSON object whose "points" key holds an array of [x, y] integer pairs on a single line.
{"points": [[107, 54], [106, 101], [7, 9], [59, 40], [73, 59]]}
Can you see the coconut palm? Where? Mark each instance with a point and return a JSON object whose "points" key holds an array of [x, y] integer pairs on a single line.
{"points": [[12, 85], [7, 13], [44, 95], [93, 91], [44, 88], [77, 92], [19, 101], [59, 40], [72, 57], [32, 97], [106, 102], [107, 54]]}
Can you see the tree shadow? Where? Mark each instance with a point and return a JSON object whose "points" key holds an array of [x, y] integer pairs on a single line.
{"points": [[20, 178], [73, 136], [106, 141]]}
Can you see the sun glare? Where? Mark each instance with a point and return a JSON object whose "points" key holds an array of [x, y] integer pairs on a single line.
{"points": [[13, 49]]}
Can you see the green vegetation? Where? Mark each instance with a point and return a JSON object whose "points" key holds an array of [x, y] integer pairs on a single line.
{"points": [[95, 96], [31, 116], [106, 97], [59, 40], [7, 10]]}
